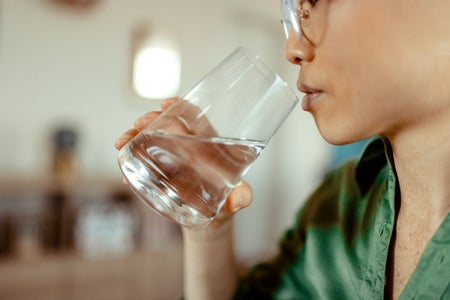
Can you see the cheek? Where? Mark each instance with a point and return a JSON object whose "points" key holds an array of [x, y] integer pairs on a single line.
{"points": [[361, 102]]}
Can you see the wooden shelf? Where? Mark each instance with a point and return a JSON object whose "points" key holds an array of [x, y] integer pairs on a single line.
{"points": [[35, 273], [142, 275]]}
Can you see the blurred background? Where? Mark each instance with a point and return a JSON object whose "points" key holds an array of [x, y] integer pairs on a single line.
{"points": [[74, 75]]}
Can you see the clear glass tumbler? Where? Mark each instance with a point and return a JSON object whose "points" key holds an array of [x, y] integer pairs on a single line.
{"points": [[188, 160]]}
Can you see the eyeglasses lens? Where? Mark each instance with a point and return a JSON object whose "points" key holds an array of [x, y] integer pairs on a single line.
{"points": [[290, 18]]}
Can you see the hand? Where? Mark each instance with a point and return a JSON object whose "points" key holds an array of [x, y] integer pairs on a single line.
{"points": [[241, 196], [142, 123]]}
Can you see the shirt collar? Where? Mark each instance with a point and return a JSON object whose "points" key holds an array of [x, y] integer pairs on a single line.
{"points": [[376, 156]]}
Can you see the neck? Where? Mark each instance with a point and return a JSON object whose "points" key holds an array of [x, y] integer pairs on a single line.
{"points": [[422, 162]]}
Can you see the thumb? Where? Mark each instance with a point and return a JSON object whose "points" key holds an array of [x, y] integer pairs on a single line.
{"points": [[240, 197]]}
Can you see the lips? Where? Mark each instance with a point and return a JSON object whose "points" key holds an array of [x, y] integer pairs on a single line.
{"points": [[311, 95]]}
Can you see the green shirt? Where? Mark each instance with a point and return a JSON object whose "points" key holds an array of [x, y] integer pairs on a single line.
{"points": [[338, 247]]}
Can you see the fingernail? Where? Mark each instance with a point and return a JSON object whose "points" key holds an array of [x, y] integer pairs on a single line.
{"points": [[119, 143]]}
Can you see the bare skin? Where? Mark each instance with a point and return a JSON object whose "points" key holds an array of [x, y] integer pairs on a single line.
{"points": [[424, 175]]}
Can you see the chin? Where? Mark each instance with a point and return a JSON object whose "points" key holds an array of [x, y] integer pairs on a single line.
{"points": [[345, 127], [338, 137]]}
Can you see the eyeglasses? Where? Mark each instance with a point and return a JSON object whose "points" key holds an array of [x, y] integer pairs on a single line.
{"points": [[294, 17]]}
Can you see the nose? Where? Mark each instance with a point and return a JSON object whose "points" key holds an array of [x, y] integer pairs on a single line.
{"points": [[298, 50]]}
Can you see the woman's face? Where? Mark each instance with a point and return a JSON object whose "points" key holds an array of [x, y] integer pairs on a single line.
{"points": [[373, 67]]}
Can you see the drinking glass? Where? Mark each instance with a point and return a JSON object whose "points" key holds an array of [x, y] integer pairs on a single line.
{"points": [[188, 160]]}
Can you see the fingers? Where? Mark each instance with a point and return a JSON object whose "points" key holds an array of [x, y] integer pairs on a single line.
{"points": [[145, 121], [165, 104], [240, 197], [142, 123], [125, 138]]}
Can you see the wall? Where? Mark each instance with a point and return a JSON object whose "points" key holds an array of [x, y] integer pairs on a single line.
{"points": [[60, 66]]}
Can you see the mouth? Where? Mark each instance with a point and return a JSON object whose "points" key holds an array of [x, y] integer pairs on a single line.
{"points": [[312, 95]]}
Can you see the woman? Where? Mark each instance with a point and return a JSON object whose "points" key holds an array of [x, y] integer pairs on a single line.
{"points": [[376, 228]]}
